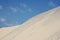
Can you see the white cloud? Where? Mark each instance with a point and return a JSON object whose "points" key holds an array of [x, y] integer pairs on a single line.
{"points": [[1, 7], [2, 19], [8, 24], [25, 8], [23, 5], [11, 24], [22, 11], [13, 9], [30, 10], [16, 22], [52, 4]]}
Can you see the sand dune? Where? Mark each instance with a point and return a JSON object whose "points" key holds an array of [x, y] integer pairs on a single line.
{"points": [[45, 26]]}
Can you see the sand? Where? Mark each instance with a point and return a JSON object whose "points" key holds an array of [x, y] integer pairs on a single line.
{"points": [[45, 26]]}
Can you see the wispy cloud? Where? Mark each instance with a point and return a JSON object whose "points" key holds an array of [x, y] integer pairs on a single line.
{"points": [[11, 24], [8, 24], [1, 7], [52, 4], [26, 7], [23, 5], [22, 11], [30, 10], [2, 19], [13, 9], [17, 22]]}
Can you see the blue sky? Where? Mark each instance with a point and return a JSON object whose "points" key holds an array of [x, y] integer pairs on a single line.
{"points": [[16, 12]]}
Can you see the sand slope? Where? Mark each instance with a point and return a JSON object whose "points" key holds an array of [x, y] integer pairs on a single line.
{"points": [[45, 26]]}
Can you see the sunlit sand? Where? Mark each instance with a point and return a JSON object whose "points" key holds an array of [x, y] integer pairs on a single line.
{"points": [[45, 26]]}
